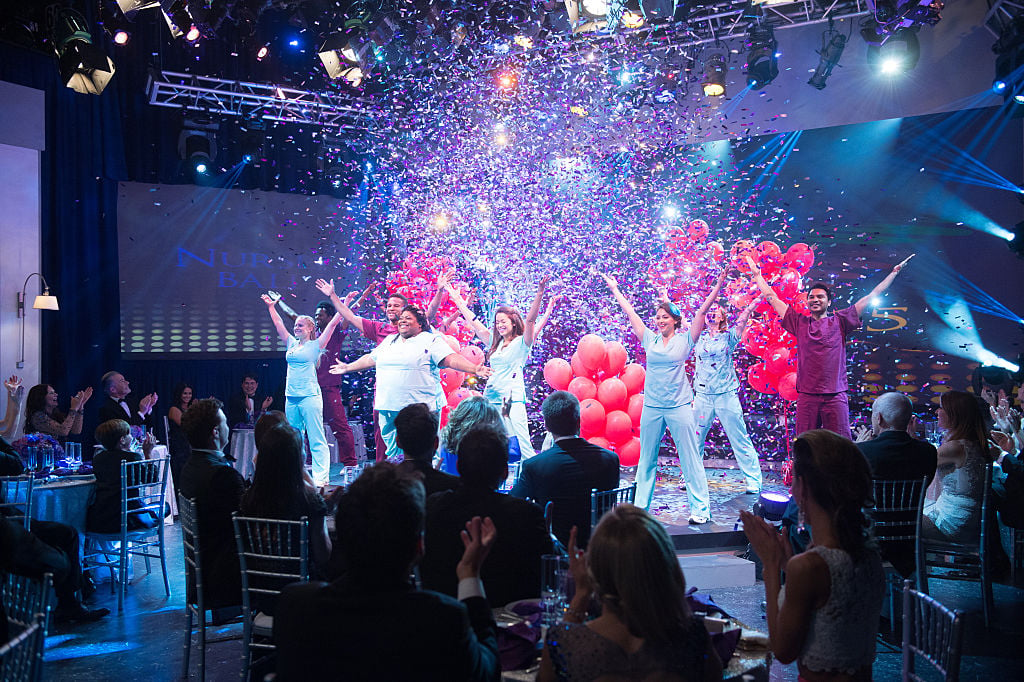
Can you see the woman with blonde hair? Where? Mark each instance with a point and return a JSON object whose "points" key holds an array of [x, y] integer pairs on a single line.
{"points": [[645, 630], [826, 615], [467, 415]]}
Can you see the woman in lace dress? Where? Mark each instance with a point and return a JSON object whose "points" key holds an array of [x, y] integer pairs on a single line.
{"points": [[45, 417], [826, 615], [645, 630], [955, 515]]}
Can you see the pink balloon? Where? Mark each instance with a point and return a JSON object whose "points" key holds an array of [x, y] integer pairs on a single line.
{"points": [[591, 351], [676, 240], [800, 256], [592, 416], [697, 230], [615, 358], [776, 360], [716, 251], [579, 369], [457, 396], [613, 394], [760, 379], [600, 441], [787, 386], [583, 388], [473, 354], [618, 427], [558, 373], [768, 252], [444, 415], [451, 379], [633, 375], [635, 408], [629, 453]]}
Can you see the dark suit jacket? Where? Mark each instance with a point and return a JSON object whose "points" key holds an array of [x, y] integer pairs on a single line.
{"points": [[111, 409], [433, 480], [1009, 491], [235, 409], [512, 568], [565, 474], [105, 511], [217, 489], [352, 631]]}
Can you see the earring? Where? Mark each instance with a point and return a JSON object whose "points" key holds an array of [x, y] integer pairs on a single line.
{"points": [[801, 521]]}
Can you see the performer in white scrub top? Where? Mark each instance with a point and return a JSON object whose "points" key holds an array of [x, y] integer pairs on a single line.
{"points": [[511, 340], [668, 398], [716, 386]]}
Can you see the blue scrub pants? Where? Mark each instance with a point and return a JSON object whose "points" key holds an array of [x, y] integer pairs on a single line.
{"points": [[681, 424], [726, 406], [306, 413]]}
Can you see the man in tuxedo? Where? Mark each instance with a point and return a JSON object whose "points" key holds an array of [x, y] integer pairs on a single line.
{"points": [[566, 472], [416, 434], [512, 570], [372, 623], [246, 407], [893, 454], [115, 406]]}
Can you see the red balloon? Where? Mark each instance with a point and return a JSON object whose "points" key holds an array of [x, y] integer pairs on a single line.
{"points": [[591, 351], [716, 251], [788, 283], [635, 408], [613, 394], [578, 368], [755, 340], [740, 250], [799, 303], [558, 373], [451, 379], [473, 354], [458, 395], [444, 415], [697, 230], [618, 427], [592, 415], [800, 256], [676, 240], [615, 358], [583, 388], [629, 453], [768, 252], [601, 442], [776, 360], [759, 379], [633, 375], [787, 386]]}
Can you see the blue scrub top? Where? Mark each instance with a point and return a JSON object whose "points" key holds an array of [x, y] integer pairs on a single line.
{"points": [[667, 385]]}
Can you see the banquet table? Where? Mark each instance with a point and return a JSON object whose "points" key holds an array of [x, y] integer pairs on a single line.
{"points": [[243, 449], [65, 500]]}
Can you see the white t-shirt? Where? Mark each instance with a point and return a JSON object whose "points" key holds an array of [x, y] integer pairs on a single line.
{"points": [[408, 371], [507, 364]]}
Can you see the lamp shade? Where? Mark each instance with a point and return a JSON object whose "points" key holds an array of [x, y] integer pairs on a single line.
{"points": [[46, 302]]}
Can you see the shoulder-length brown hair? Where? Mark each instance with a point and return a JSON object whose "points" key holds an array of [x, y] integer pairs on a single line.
{"points": [[965, 419], [518, 327]]}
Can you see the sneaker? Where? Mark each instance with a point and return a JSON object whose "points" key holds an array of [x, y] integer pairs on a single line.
{"points": [[752, 490], [697, 520], [79, 615]]}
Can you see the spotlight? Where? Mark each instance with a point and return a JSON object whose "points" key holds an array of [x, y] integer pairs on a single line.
{"points": [[632, 19], [507, 81], [714, 75], [771, 506], [193, 34], [121, 37], [595, 8], [896, 53], [130, 7], [179, 20], [263, 53], [832, 45], [998, 87], [762, 60], [116, 25], [83, 66], [348, 55], [197, 144]]}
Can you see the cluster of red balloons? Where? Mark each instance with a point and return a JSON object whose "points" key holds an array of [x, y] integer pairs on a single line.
{"points": [[610, 391], [417, 281]]}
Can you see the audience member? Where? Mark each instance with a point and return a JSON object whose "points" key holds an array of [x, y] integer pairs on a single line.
{"points": [[416, 433], [280, 490], [245, 407], [467, 415], [566, 472], [181, 398], [104, 514], [826, 616], [45, 417], [11, 424], [265, 424], [646, 630], [217, 489], [1008, 487], [372, 623], [177, 443], [512, 570], [115, 406]]}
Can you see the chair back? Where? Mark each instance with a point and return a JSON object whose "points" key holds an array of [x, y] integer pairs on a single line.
{"points": [[21, 658], [897, 506], [189, 518], [143, 488], [16, 498], [603, 500], [549, 515], [272, 554], [931, 631]]}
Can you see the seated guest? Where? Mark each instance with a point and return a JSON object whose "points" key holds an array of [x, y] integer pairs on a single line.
{"points": [[826, 616], [217, 488], [416, 434], [45, 417], [105, 512], [177, 443], [245, 407], [373, 623], [280, 490], [467, 415], [646, 630], [955, 515], [566, 472], [512, 570], [892, 455], [266, 423], [115, 405]]}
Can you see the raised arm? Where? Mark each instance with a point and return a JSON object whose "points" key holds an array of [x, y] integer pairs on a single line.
{"points": [[342, 306], [327, 289], [634, 320], [435, 303], [482, 332], [698, 321], [882, 286], [282, 332], [285, 308], [773, 299], [15, 403], [530, 323], [543, 321], [365, 362], [741, 321]]}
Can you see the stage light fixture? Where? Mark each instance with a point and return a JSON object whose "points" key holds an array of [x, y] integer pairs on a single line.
{"points": [[348, 55], [898, 54], [762, 58], [197, 144], [179, 20], [714, 75], [83, 67], [1016, 240], [632, 19], [130, 7], [115, 24], [832, 45], [771, 506], [263, 52], [507, 81]]}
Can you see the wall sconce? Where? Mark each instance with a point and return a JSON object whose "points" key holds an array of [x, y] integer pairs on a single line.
{"points": [[43, 301]]}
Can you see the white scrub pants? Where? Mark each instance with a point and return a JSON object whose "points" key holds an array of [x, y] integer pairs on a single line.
{"points": [[306, 413], [726, 406], [681, 424], [519, 427]]}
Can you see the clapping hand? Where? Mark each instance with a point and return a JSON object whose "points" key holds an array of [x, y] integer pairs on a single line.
{"points": [[147, 403], [326, 287], [13, 383], [1002, 441], [578, 567], [338, 367], [862, 434], [79, 399], [477, 540], [771, 546], [267, 402]]}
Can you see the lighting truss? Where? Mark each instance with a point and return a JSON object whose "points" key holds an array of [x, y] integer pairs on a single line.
{"points": [[258, 100], [1001, 14]]}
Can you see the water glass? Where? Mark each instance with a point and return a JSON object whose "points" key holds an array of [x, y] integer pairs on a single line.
{"points": [[32, 458], [73, 454], [554, 571]]}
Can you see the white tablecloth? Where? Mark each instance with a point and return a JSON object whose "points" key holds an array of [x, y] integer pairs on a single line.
{"points": [[243, 449], [65, 500]]}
